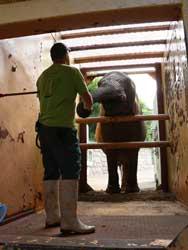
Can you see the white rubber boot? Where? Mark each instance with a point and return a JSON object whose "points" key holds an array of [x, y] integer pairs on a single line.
{"points": [[70, 223], [51, 203]]}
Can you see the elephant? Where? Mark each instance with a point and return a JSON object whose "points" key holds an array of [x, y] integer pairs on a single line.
{"points": [[117, 94]]}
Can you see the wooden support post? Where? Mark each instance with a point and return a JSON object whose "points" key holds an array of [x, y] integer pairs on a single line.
{"points": [[162, 132]]}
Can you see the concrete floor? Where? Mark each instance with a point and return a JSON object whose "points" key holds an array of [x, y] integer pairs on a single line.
{"points": [[147, 220]]}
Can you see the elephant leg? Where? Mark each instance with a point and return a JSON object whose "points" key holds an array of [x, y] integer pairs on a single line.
{"points": [[131, 179], [113, 178], [123, 177]]}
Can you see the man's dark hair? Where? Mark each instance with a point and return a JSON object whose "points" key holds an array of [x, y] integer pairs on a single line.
{"points": [[58, 51]]}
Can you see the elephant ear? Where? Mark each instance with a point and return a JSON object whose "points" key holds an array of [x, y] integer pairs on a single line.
{"points": [[130, 90]]}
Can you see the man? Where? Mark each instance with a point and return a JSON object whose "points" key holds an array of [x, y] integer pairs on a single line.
{"points": [[58, 87]]}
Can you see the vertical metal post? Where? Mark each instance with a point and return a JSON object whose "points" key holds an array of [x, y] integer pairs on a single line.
{"points": [[83, 185], [162, 131], [83, 175]]}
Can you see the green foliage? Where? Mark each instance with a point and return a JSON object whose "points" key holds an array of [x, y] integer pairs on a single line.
{"points": [[93, 85], [96, 107], [92, 126], [147, 111]]}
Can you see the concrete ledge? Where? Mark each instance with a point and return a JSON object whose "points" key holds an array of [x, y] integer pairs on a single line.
{"points": [[50, 243]]}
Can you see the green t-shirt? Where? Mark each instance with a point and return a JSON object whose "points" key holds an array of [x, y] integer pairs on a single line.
{"points": [[58, 86]]}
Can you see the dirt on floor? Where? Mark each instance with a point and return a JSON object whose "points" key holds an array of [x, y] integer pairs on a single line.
{"points": [[146, 195], [147, 218]]}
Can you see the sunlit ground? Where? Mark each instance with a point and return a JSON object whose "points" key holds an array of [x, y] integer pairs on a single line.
{"points": [[98, 174]]}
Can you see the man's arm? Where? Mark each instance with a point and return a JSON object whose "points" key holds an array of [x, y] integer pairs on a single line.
{"points": [[87, 100]]}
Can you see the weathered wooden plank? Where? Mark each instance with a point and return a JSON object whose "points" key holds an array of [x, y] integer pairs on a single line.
{"points": [[104, 119], [118, 145]]}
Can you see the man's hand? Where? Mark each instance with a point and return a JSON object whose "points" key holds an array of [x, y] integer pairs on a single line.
{"points": [[87, 101], [86, 106]]}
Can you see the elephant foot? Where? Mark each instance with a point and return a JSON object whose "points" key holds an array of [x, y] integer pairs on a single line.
{"points": [[112, 190], [131, 189]]}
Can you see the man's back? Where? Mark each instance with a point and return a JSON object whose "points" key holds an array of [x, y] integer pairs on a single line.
{"points": [[58, 86]]}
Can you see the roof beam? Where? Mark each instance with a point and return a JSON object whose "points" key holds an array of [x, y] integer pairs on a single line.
{"points": [[71, 15], [115, 45], [99, 58], [120, 66], [115, 31], [145, 71]]}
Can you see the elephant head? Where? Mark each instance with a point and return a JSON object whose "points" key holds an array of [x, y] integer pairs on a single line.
{"points": [[116, 92]]}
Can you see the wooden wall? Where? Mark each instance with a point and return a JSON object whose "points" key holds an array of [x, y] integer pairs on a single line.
{"points": [[20, 161], [176, 105]]}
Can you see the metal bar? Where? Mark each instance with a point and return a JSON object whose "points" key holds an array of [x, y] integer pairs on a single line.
{"points": [[118, 145], [115, 31], [18, 93], [115, 45], [83, 174], [17, 216], [104, 119], [99, 17], [111, 57]]}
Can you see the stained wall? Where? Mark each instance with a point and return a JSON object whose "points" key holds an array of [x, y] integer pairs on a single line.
{"points": [[20, 161], [176, 105]]}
